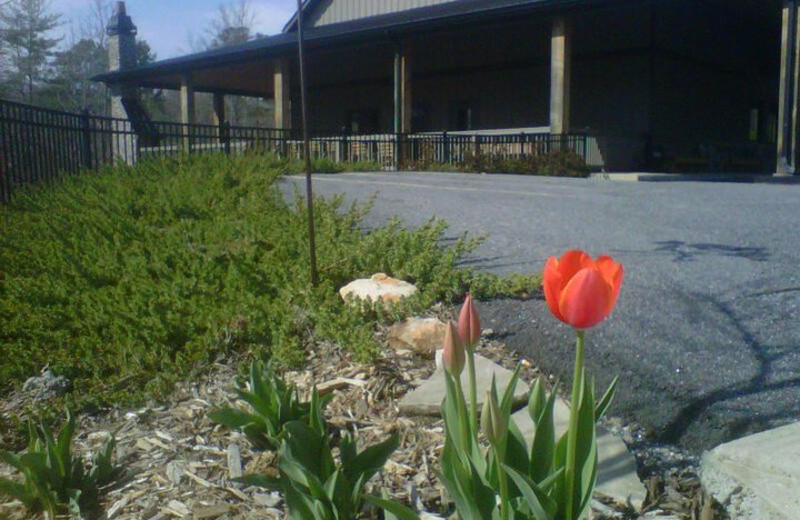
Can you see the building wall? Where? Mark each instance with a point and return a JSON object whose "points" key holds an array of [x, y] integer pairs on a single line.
{"points": [[335, 11], [646, 80]]}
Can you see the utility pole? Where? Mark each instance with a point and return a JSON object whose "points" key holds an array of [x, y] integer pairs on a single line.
{"points": [[306, 146]]}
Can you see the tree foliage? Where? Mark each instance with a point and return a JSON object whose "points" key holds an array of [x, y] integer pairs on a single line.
{"points": [[235, 24], [28, 46]]}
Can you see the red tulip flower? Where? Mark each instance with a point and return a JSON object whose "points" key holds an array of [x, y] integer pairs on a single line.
{"points": [[580, 291], [453, 356], [469, 325]]}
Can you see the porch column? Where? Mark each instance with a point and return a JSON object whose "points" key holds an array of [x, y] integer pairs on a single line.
{"points": [[788, 93], [402, 91], [281, 88], [219, 117], [187, 110], [560, 72]]}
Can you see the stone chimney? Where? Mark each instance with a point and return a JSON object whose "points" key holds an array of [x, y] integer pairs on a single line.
{"points": [[121, 54]]}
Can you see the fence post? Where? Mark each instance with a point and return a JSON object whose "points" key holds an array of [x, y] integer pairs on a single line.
{"points": [[86, 139], [343, 155], [477, 146], [446, 150], [225, 136], [397, 151]]}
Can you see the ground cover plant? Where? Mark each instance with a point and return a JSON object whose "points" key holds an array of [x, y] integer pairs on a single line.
{"points": [[131, 279]]}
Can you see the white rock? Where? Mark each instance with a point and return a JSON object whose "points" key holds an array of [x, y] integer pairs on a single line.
{"points": [[379, 287]]}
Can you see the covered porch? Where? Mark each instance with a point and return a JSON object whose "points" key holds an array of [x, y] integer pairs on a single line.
{"points": [[653, 88]]}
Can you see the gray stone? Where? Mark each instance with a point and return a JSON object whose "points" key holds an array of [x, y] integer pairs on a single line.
{"points": [[271, 499], [175, 470], [658, 515], [234, 461], [427, 398], [46, 386], [616, 474], [756, 477]]}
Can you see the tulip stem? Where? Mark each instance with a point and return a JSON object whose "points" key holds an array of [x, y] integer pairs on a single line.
{"points": [[466, 431], [505, 509], [572, 434], [473, 390]]}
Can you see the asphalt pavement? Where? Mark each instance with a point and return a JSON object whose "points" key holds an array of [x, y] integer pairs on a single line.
{"points": [[706, 334]]}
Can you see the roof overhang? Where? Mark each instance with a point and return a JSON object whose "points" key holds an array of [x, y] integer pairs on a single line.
{"points": [[246, 68]]}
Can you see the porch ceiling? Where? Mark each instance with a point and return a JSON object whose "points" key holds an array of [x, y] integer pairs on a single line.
{"points": [[252, 78]]}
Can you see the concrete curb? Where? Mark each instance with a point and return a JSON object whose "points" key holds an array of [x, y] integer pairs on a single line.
{"points": [[756, 477], [695, 177]]}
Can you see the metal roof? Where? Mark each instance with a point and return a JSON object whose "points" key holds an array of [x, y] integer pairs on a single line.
{"points": [[376, 28]]}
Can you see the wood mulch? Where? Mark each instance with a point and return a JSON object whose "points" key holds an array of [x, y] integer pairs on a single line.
{"points": [[179, 464]]}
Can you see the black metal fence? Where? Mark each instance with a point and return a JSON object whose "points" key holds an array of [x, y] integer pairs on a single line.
{"points": [[38, 144]]}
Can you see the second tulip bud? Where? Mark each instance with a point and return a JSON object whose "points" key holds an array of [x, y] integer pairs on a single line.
{"points": [[453, 356]]}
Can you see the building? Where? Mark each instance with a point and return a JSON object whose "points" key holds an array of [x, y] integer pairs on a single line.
{"points": [[682, 85]]}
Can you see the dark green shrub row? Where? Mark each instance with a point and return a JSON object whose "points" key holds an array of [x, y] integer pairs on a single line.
{"points": [[561, 163]]}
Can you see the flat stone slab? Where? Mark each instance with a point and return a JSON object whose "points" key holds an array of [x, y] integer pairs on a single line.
{"points": [[757, 477], [616, 474], [427, 399]]}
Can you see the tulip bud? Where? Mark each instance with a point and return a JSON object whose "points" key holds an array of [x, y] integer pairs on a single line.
{"points": [[453, 356], [469, 325], [492, 422]]}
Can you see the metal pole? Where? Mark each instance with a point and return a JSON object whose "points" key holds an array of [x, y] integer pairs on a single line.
{"points": [[306, 147]]}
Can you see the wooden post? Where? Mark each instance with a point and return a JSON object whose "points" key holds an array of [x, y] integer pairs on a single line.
{"points": [[788, 91], [301, 63], [282, 94], [402, 101], [560, 76], [187, 111]]}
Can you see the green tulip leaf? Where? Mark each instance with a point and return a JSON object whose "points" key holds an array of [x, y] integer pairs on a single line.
{"points": [[605, 401], [372, 459], [543, 444], [261, 480], [392, 510], [533, 495]]}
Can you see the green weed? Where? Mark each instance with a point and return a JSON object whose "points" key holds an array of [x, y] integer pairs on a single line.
{"points": [[54, 479], [274, 403]]}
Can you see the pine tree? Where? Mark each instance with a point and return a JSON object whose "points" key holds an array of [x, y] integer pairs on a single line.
{"points": [[26, 26]]}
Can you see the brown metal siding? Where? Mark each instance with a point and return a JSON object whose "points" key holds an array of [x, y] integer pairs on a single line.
{"points": [[335, 11]]}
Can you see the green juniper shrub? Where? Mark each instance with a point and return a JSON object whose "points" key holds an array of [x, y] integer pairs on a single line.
{"points": [[131, 279]]}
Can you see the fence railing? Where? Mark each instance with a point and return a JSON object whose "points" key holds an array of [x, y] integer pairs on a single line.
{"points": [[39, 144]]}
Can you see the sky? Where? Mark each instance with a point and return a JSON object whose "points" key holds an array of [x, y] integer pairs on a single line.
{"points": [[170, 26]]}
